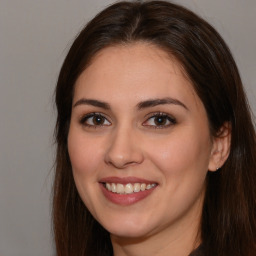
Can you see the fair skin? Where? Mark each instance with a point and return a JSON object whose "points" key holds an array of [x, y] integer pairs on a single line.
{"points": [[136, 119]]}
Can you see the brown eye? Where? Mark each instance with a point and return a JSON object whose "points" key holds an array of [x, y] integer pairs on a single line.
{"points": [[94, 120], [98, 120], [159, 120]]}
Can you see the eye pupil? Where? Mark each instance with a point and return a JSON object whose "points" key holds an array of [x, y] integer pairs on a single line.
{"points": [[160, 120], [98, 120]]}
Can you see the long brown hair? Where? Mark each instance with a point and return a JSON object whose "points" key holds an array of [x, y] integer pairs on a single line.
{"points": [[229, 213]]}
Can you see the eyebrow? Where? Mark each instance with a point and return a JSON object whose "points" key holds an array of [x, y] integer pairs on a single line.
{"points": [[140, 105], [156, 102], [91, 102]]}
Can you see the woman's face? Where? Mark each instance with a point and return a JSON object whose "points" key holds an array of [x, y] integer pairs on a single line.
{"points": [[139, 143]]}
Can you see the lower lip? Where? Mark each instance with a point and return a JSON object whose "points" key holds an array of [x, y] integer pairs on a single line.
{"points": [[126, 199]]}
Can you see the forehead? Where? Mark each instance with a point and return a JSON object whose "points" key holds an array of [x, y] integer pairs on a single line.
{"points": [[132, 55], [138, 70]]}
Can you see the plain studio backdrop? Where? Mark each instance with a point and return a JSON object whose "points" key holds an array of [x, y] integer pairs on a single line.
{"points": [[35, 37]]}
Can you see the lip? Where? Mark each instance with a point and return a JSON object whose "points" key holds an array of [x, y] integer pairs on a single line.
{"points": [[125, 199], [126, 180]]}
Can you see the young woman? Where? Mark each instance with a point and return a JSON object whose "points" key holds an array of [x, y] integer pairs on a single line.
{"points": [[155, 141]]}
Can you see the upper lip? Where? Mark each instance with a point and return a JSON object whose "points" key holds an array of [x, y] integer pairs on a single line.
{"points": [[126, 180]]}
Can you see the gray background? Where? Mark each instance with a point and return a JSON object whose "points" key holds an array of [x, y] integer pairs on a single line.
{"points": [[34, 38]]}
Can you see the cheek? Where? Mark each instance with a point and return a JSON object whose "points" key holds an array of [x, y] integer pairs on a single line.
{"points": [[84, 154], [182, 156], [183, 162]]}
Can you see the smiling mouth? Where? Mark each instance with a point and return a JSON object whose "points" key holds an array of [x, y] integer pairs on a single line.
{"points": [[129, 188]]}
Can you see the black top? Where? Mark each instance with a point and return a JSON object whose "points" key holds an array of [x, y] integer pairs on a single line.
{"points": [[197, 252]]}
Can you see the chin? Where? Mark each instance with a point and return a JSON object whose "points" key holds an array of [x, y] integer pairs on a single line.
{"points": [[128, 229], [131, 233]]}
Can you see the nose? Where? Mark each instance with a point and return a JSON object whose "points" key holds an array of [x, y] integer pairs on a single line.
{"points": [[124, 149]]}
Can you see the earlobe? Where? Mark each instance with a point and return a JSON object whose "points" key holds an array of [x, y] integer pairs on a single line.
{"points": [[220, 148]]}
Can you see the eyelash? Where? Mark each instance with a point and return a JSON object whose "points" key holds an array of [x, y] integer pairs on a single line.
{"points": [[166, 118], [84, 120]]}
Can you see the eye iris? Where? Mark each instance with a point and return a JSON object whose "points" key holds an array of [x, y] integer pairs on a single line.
{"points": [[98, 120], [160, 120]]}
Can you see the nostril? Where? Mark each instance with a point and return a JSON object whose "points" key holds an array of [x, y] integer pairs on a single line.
{"points": [[123, 151]]}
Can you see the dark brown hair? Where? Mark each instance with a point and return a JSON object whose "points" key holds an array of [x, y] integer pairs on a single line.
{"points": [[228, 222]]}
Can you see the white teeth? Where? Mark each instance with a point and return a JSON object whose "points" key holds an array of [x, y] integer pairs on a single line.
{"points": [[128, 188], [149, 186], [113, 187], [119, 188], [136, 187], [142, 186], [108, 186]]}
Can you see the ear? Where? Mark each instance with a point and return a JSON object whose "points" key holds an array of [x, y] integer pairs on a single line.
{"points": [[220, 148]]}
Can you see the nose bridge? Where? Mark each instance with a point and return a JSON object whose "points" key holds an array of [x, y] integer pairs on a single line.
{"points": [[124, 149]]}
